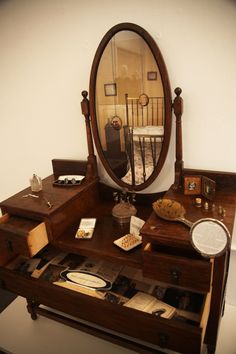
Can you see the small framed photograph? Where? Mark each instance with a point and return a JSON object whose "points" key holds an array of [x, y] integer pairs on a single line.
{"points": [[52, 272], [110, 89], [152, 75], [192, 185], [208, 188]]}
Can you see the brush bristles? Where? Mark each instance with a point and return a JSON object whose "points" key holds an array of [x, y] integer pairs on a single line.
{"points": [[168, 209]]}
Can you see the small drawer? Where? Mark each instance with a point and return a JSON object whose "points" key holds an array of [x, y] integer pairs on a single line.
{"points": [[177, 270], [20, 236]]}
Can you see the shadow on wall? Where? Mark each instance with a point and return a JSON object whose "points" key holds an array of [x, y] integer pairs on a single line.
{"points": [[3, 2]]}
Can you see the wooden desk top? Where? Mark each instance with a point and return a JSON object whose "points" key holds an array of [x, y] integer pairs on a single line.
{"points": [[106, 231], [37, 208]]}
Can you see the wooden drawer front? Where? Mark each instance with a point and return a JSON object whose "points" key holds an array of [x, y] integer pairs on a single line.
{"points": [[21, 236], [181, 271], [166, 333]]}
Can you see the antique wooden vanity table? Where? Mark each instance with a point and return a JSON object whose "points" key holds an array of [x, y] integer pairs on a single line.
{"points": [[32, 228]]}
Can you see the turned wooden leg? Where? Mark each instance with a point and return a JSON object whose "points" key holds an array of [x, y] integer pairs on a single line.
{"points": [[31, 306]]}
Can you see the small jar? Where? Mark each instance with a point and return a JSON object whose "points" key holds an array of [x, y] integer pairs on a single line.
{"points": [[123, 211], [198, 202]]}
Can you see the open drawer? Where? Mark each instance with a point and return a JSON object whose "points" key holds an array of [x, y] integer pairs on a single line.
{"points": [[193, 273], [20, 236], [180, 333]]}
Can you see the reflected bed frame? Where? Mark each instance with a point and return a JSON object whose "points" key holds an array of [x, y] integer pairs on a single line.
{"points": [[143, 137]]}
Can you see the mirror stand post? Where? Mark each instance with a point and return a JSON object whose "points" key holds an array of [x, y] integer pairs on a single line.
{"points": [[91, 172], [179, 163]]}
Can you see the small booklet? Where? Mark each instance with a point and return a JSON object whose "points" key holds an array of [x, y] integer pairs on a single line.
{"points": [[86, 228], [148, 303]]}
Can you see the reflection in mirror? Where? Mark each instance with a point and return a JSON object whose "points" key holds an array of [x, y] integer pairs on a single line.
{"points": [[131, 96]]}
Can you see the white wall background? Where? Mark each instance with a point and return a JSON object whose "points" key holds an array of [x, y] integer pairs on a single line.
{"points": [[46, 52]]}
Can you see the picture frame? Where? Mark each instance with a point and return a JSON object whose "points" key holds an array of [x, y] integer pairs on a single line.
{"points": [[152, 75], [110, 89], [208, 188], [143, 100], [192, 185]]}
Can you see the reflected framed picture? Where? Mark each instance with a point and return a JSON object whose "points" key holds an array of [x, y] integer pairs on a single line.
{"points": [[152, 75], [110, 89], [143, 100]]}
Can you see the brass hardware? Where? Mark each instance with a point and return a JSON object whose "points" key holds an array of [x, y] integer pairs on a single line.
{"points": [[9, 246], [2, 284], [175, 275], [163, 340]]}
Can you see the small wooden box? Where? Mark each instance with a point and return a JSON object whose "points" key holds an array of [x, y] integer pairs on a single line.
{"points": [[21, 236]]}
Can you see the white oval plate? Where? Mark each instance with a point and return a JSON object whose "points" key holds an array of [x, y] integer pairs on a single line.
{"points": [[88, 280]]}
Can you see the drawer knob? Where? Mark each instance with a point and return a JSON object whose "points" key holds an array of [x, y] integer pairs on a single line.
{"points": [[9, 245], [175, 274], [163, 340], [2, 284]]}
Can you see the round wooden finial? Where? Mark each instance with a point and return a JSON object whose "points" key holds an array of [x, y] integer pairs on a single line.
{"points": [[178, 91], [84, 94]]}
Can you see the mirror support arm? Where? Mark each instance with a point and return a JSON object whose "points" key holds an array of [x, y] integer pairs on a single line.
{"points": [[91, 172], [178, 111]]}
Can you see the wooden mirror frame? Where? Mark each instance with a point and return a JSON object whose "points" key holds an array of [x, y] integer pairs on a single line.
{"points": [[167, 101], [88, 109]]}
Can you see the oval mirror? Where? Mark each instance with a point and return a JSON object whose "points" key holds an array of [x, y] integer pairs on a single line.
{"points": [[130, 102]]}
